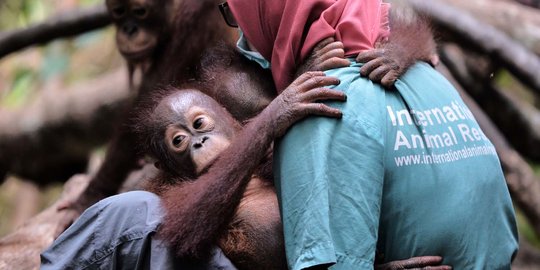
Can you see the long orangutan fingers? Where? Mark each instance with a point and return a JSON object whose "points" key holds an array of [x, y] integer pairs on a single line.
{"points": [[306, 76], [321, 109], [336, 45], [379, 73], [322, 44], [367, 56], [366, 69], [389, 79], [334, 62], [323, 94], [318, 82], [330, 59], [337, 52]]}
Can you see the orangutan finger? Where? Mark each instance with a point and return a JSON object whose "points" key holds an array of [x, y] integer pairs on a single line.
{"points": [[367, 68], [379, 73], [367, 56]]}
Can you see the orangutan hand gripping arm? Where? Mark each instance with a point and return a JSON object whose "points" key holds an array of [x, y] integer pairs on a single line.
{"points": [[199, 211], [410, 40]]}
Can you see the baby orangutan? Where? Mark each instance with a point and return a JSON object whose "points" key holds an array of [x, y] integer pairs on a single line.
{"points": [[221, 194]]}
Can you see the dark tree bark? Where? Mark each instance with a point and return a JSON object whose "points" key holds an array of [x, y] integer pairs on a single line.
{"points": [[521, 23], [472, 33], [531, 3], [72, 123], [64, 25]]}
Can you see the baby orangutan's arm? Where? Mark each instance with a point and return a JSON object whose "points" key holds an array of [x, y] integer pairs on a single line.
{"points": [[411, 40], [199, 211]]}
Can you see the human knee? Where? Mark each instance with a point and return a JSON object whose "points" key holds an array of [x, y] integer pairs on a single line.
{"points": [[133, 198], [133, 201]]}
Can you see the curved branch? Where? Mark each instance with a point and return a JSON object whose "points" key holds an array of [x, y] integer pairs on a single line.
{"points": [[50, 138], [65, 25], [521, 23], [521, 62]]}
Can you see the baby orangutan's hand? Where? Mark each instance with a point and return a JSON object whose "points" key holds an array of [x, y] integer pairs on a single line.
{"points": [[411, 40], [425, 262], [382, 66], [302, 98], [328, 54]]}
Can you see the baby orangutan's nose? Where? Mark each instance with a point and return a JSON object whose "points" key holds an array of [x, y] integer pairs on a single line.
{"points": [[199, 144]]}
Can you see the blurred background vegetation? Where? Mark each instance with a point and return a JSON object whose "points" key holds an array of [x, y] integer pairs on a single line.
{"points": [[64, 62], [54, 66]]}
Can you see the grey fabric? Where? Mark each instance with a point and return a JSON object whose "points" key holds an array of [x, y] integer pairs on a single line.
{"points": [[119, 233]]}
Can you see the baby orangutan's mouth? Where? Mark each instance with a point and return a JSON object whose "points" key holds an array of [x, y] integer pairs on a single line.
{"points": [[206, 168]]}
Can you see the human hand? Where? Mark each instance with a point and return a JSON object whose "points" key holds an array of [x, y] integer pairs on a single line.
{"points": [[418, 263], [301, 99], [328, 54]]}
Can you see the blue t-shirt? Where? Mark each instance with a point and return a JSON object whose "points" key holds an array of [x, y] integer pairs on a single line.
{"points": [[407, 171]]}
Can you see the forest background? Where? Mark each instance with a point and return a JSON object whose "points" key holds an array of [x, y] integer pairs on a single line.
{"points": [[59, 99]]}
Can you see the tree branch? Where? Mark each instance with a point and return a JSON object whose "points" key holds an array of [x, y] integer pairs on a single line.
{"points": [[520, 61], [520, 22], [531, 3], [50, 139], [64, 25]]}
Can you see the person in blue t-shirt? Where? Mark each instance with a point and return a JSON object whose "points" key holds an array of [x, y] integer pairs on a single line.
{"points": [[406, 171]]}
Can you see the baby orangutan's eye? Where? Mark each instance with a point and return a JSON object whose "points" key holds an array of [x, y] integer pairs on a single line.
{"points": [[197, 124], [177, 140]]}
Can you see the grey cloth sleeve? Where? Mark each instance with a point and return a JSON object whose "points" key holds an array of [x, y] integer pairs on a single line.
{"points": [[119, 233]]}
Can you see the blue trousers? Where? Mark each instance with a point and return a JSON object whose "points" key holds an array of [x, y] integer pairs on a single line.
{"points": [[120, 233]]}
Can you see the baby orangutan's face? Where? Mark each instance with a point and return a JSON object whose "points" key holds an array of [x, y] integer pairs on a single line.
{"points": [[198, 129]]}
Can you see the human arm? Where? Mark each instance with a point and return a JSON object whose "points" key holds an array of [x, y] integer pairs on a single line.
{"points": [[424, 262], [198, 211]]}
